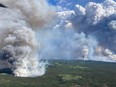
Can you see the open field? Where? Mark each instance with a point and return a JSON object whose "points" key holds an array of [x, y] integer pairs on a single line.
{"points": [[62, 73]]}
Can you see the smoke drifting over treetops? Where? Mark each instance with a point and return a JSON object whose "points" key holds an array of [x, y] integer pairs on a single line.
{"points": [[86, 32], [98, 20], [27, 29], [18, 43]]}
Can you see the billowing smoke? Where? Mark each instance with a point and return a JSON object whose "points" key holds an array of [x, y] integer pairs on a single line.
{"points": [[18, 43], [65, 44], [87, 33], [98, 20]]}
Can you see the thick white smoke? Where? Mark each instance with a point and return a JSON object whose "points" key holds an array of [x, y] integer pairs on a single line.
{"points": [[18, 44], [98, 20], [87, 33], [84, 33]]}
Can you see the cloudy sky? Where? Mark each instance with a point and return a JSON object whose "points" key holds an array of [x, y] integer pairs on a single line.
{"points": [[70, 3]]}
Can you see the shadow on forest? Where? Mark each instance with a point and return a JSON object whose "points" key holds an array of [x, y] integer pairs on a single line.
{"points": [[6, 70]]}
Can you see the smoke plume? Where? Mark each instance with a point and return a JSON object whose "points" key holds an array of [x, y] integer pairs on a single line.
{"points": [[98, 20], [87, 33], [18, 25]]}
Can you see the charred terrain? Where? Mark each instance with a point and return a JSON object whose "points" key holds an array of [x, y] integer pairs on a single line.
{"points": [[64, 73]]}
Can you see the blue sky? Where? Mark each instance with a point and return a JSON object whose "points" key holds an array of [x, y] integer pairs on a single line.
{"points": [[70, 3]]}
